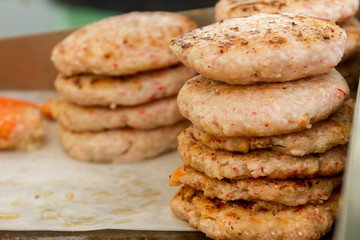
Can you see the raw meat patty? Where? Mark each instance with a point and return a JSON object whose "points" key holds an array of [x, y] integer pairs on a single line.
{"points": [[159, 113], [262, 48], [290, 192], [259, 110], [334, 10], [321, 137], [258, 163], [249, 221], [121, 45], [89, 90], [119, 146]]}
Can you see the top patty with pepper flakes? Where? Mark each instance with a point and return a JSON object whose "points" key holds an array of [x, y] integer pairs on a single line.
{"points": [[262, 48]]}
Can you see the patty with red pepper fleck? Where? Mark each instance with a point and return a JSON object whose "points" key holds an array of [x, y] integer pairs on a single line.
{"points": [[259, 110], [90, 90], [120, 145], [254, 220], [146, 116], [258, 163], [121, 45], [262, 48], [334, 10], [290, 192], [320, 138]]}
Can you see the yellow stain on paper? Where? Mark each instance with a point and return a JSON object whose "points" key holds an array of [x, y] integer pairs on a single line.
{"points": [[124, 211], [5, 216], [17, 202], [72, 224], [43, 194], [69, 196], [123, 221], [49, 214], [101, 194]]}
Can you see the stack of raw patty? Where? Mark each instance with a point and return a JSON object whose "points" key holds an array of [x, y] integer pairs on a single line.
{"points": [[265, 154], [119, 81]]}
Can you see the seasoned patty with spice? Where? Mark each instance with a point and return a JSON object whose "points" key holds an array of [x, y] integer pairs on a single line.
{"points": [[321, 137], [163, 112], [334, 10], [259, 110], [258, 163], [262, 48], [121, 45], [290, 192], [121, 145], [89, 90], [254, 220]]}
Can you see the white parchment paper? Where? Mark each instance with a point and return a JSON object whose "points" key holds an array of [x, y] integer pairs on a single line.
{"points": [[46, 190]]}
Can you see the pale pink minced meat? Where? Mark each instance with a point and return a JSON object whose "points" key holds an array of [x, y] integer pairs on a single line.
{"points": [[320, 138], [254, 220], [163, 112], [259, 110], [334, 10], [121, 45], [290, 192], [89, 90], [262, 48], [258, 163], [119, 146]]}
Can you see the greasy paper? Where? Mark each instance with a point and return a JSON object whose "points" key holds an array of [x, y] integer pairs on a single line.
{"points": [[47, 190]]}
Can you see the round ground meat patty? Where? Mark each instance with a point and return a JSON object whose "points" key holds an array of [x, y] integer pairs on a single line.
{"points": [[266, 109], [90, 90], [290, 192], [80, 119], [254, 220], [334, 10], [320, 138], [120, 146], [121, 45], [258, 163], [262, 48]]}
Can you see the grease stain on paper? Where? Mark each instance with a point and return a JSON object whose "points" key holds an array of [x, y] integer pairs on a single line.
{"points": [[124, 211], [69, 196], [6, 216], [43, 194], [123, 221], [101, 194], [49, 214], [71, 224], [17, 202], [147, 193]]}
